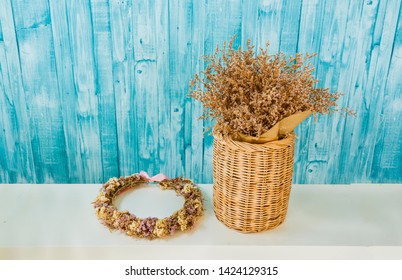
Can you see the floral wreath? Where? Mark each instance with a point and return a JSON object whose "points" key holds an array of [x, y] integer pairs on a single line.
{"points": [[150, 227]]}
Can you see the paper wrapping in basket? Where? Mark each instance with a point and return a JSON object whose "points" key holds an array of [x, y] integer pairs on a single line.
{"points": [[282, 128]]}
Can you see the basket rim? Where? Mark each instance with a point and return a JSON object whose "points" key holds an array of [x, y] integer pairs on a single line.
{"points": [[239, 145]]}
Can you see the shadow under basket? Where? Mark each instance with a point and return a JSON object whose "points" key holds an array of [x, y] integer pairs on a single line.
{"points": [[252, 182]]}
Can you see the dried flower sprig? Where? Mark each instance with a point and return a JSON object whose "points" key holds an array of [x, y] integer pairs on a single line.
{"points": [[150, 227], [248, 92]]}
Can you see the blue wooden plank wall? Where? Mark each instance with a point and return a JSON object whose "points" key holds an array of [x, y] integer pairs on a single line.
{"points": [[97, 88]]}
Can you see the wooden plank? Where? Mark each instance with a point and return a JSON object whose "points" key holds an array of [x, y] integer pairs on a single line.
{"points": [[368, 98], [12, 82], [40, 87], [270, 16], [321, 148], [66, 88], [356, 87], [180, 73], [387, 156], [318, 142], [352, 58], [384, 157], [146, 99], [170, 150], [1, 34], [195, 153], [276, 22], [29, 16], [309, 40], [82, 52], [249, 22], [8, 165], [121, 24], [104, 87], [290, 25]]}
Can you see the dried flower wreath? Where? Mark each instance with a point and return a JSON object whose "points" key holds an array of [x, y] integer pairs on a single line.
{"points": [[150, 227], [248, 92]]}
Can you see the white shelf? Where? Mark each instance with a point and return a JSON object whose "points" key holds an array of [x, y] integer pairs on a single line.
{"points": [[323, 222]]}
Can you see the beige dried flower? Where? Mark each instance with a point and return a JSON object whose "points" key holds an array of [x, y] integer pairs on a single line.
{"points": [[161, 228], [248, 92]]}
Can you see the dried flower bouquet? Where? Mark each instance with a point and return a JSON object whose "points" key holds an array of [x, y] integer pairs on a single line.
{"points": [[250, 93]]}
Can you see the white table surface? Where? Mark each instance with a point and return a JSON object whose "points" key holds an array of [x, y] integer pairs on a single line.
{"points": [[323, 222]]}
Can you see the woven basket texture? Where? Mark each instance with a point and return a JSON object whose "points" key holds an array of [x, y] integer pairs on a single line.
{"points": [[252, 182]]}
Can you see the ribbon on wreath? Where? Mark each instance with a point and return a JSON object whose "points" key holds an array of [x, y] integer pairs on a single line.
{"points": [[157, 178]]}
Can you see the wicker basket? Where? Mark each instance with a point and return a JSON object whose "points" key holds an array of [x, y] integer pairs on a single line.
{"points": [[252, 182]]}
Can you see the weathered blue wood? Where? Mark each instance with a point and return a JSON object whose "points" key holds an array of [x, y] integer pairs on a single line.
{"points": [[146, 100], [358, 83], [1, 33], [8, 166], [249, 22], [386, 162], [270, 16], [121, 24], [194, 139], [356, 37], [321, 148], [386, 128], [291, 14], [20, 145], [87, 105], [97, 88], [369, 93], [169, 150], [309, 40], [67, 93], [179, 46], [38, 72], [104, 88]]}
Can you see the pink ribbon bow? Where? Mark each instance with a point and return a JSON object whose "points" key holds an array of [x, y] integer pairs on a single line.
{"points": [[157, 178]]}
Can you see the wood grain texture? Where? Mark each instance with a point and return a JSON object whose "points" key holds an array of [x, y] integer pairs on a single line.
{"points": [[103, 60], [98, 88], [121, 24], [20, 161]]}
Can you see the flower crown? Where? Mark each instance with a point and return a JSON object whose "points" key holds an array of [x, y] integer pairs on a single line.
{"points": [[150, 227]]}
